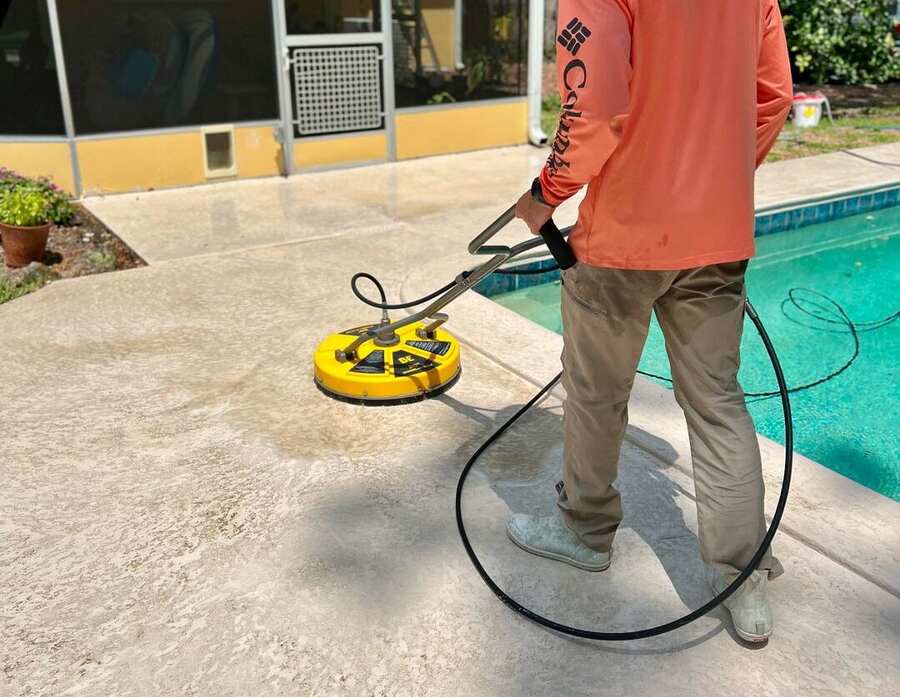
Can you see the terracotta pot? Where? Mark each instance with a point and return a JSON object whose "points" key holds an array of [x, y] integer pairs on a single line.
{"points": [[23, 245]]}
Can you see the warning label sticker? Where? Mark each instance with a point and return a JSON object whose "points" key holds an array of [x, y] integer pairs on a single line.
{"points": [[372, 364], [406, 363], [437, 347]]}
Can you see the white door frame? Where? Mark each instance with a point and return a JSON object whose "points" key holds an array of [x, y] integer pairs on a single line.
{"points": [[282, 68], [284, 42]]}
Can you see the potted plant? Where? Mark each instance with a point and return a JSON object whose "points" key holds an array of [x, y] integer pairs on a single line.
{"points": [[25, 217]]}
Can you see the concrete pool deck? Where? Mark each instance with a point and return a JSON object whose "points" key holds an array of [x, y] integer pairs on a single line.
{"points": [[184, 513]]}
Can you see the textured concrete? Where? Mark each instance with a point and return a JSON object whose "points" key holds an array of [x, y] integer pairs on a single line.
{"points": [[240, 215], [184, 514], [790, 181], [244, 214]]}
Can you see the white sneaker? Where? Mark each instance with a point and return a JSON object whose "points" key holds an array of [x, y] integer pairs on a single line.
{"points": [[549, 537], [748, 605]]}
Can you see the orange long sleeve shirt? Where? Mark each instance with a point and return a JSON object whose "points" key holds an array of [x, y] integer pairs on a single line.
{"points": [[668, 108]]}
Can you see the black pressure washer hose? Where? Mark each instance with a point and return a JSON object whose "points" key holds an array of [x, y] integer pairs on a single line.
{"points": [[564, 256], [824, 309], [690, 617]]}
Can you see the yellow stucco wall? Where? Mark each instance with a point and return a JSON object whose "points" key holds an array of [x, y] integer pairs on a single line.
{"points": [[319, 152], [438, 16], [134, 163], [40, 160], [460, 128], [257, 152]]}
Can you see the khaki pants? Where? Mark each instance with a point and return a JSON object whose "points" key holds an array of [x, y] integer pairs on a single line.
{"points": [[606, 316]]}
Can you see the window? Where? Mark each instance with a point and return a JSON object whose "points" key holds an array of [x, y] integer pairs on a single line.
{"points": [[146, 64], [449, 51], [31, 103], [332, 16]]}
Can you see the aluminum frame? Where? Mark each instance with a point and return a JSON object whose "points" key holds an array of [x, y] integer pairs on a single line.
{"points": [[387, 70], [112, 135], [535, 69], [72, 139], [282, 70], [282, 42], [33, 139], [322, 40], [516, 99], [285, 42], [62, 79], [458, 34]]}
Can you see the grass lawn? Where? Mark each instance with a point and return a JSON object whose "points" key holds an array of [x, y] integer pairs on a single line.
{"points": [[855, 128], [872, 126]]}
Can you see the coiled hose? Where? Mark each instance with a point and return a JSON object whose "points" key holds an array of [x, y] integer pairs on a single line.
{"points": [[576, 631]]}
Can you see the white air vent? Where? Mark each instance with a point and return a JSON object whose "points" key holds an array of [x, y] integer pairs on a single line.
{"points": [[218, 152]]}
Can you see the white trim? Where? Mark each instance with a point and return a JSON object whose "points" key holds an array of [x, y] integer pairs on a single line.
{"points": [[59, 58], [387, 73], [472, 103], [383, 39], [339, 136], [174, 130], [282, 70], [307, 40], [458, 34], [33, 139], [536, 135]]}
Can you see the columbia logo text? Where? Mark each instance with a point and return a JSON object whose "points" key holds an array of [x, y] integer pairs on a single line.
{"points": [[574, 78]]}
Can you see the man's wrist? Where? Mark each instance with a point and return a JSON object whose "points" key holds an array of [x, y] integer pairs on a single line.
{"points": [[537, 192]]}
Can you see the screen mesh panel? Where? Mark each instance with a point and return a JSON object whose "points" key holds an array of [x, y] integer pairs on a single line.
{"points": [[337, 89]]}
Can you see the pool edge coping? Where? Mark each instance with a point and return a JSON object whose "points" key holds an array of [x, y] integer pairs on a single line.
{"points": [[837, 195]]}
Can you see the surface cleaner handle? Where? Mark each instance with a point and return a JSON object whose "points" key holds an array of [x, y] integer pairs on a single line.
{"points": [[558, 246]]}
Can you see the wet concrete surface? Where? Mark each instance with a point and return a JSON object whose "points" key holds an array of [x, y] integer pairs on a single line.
{"points": [[183, 513]]}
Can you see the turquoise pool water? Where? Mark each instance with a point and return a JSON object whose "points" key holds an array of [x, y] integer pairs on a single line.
{"points": [[851, 423]]}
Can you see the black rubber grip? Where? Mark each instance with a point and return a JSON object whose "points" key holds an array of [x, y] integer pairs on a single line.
{"points": [[558, 246]]}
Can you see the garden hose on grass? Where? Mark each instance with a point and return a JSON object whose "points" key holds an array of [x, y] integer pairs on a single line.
{"points": [[388, 335]]}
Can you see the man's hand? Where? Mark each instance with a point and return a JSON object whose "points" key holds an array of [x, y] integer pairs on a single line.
{"points": [[534, 214]]}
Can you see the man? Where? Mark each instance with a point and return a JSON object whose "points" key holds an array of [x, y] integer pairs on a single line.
{"points": [[668, 108]]}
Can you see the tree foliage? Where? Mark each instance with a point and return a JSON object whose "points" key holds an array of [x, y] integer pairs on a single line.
{"points": [[843, 41]]}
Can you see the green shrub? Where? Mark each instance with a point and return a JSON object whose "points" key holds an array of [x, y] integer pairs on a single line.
{"points": [[100, 261], [550, 108], [25, 206], [59, 204], [843, 41]]}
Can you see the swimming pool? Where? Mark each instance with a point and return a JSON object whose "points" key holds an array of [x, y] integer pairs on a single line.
{"points": [[850, 423]]}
